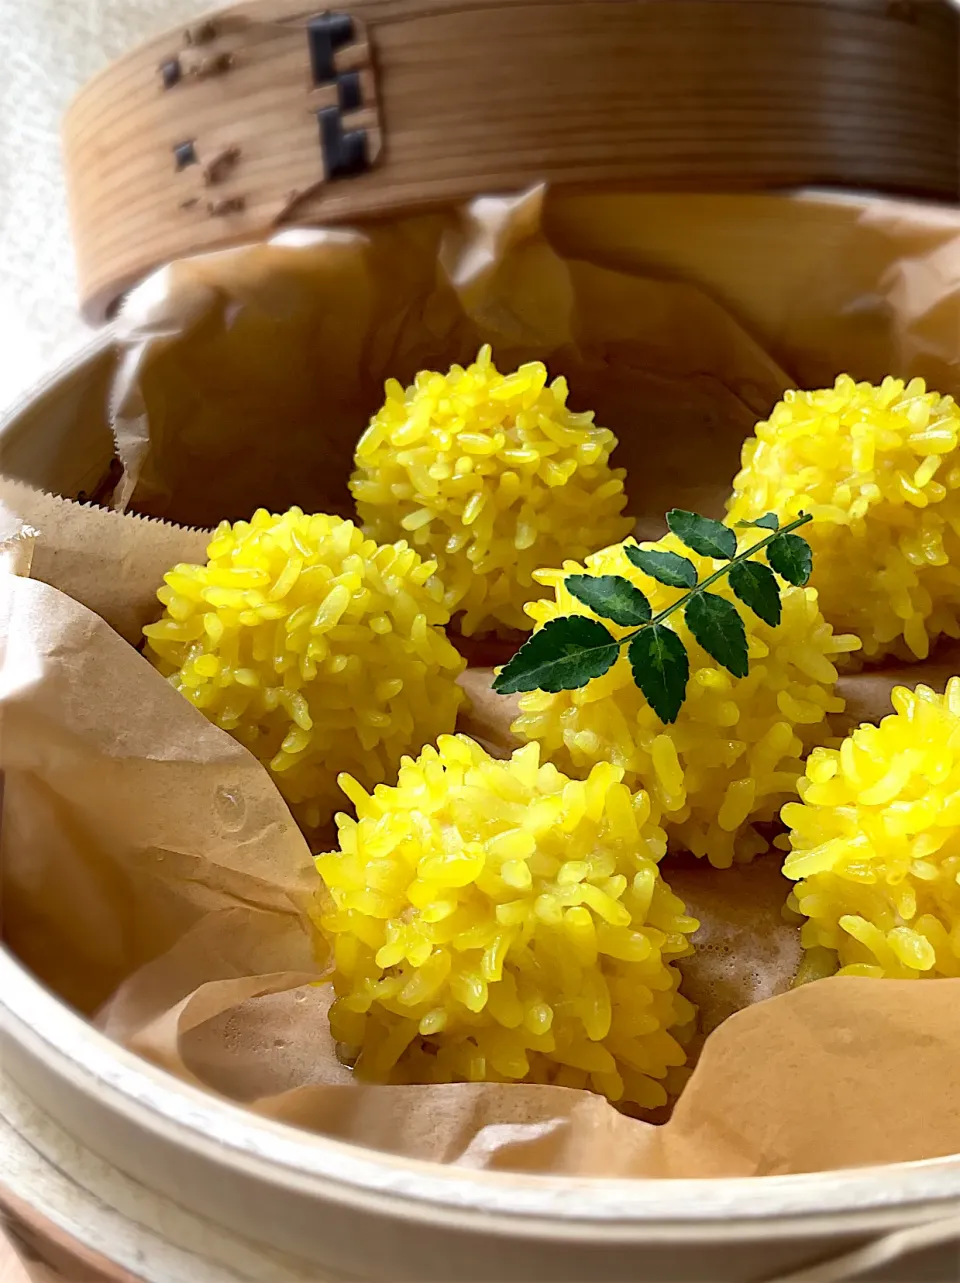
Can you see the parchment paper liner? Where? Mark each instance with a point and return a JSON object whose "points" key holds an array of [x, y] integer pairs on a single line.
{"points": [[151, 870]]}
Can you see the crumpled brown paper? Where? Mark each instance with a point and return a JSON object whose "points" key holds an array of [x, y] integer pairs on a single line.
{"points": [[127, 816], [318, 320], [151, 869]]}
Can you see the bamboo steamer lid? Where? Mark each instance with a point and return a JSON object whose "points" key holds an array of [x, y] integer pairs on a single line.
{"points": [[268, 113]]}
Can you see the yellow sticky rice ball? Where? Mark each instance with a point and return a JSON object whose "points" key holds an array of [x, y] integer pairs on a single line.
{"points": [[734, 753], [879, 470], [875, 842], [492, 476], [495, 921], [314, 647]]}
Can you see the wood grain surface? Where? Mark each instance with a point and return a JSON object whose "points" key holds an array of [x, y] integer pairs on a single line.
{"points": [[490, 97]]}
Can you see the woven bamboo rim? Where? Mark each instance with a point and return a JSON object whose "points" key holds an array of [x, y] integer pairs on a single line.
{"points": [[432, 101]]}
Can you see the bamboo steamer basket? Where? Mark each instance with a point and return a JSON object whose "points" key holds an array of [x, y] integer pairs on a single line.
{"points": [[270, 113], [111, 1170]]}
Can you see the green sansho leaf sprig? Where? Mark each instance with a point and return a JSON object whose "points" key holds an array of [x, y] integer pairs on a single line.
{"points": [[571, 650]]}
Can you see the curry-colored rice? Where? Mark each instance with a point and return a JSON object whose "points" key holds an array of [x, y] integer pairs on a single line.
{"points": [[875, 843], [493, 920], [879, 470], [735, 751], [491, 475], [314, 647]]}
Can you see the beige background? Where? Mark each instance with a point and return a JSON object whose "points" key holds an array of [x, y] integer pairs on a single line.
{"points": [[48, 49]]}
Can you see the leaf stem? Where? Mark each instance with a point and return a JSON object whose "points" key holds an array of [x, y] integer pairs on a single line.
{"points": [[717, 574]]}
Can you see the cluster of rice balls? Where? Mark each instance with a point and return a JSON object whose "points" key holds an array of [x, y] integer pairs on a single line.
{"points": [[492, 477], [316, 648], [879, 471], [497, 921], [875, 843], [507, 920], [733, 755]]}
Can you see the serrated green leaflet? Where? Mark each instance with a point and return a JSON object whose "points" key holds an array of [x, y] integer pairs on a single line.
{"points": [[707, 537], [717, 626], [769, 521], [757, 588], [791, 558], [564, 655], [612, 597], [570, 651], [661, 669], [666, 567]]}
